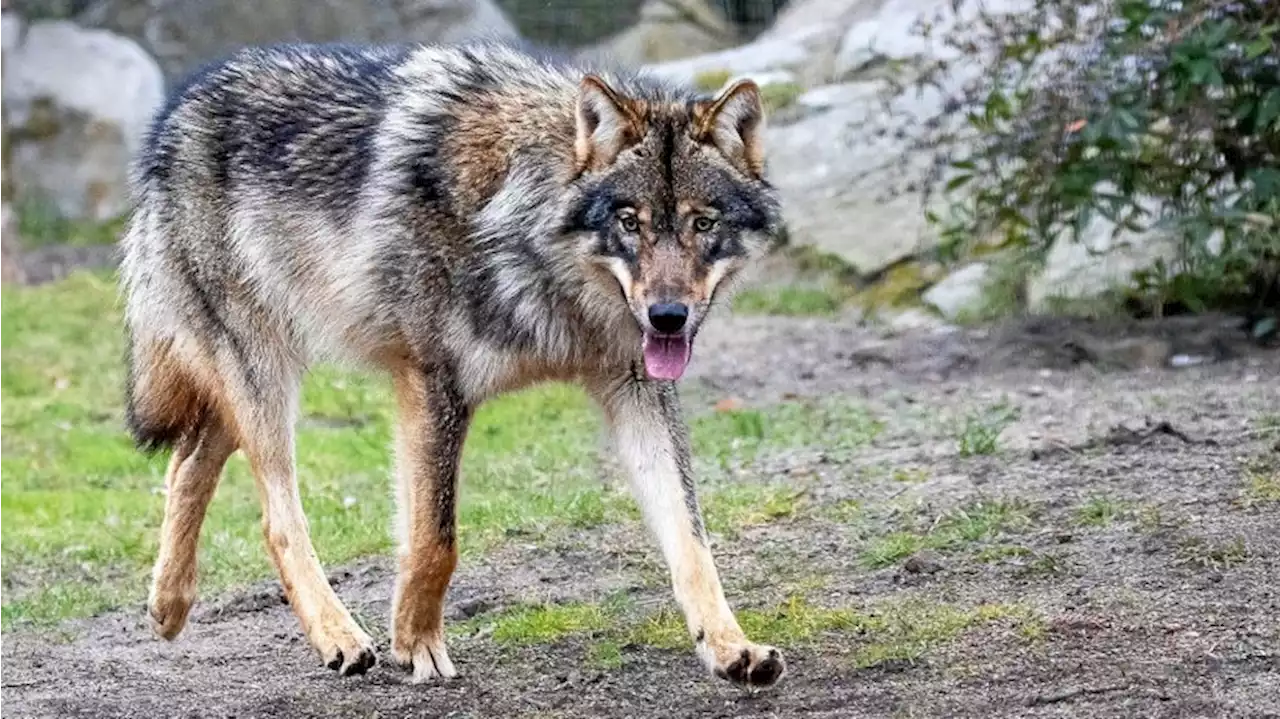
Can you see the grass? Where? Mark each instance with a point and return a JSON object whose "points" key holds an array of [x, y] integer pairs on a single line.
{"points": [[549, 623], [735, 507], [972, 523], [1261, 483], [739, 436], [884, 632], [980, 434], [1100, 511], [1214, 554], [83, 507], [788, 300], [40, 224]]}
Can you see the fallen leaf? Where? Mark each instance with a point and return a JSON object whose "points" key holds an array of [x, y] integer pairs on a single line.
{"points": [[729, 404]]}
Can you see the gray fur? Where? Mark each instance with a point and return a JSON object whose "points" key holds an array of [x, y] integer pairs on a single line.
{"points": [[426, 207]]}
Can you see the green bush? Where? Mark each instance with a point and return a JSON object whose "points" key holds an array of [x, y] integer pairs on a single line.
{"points": [[1153, 114]]}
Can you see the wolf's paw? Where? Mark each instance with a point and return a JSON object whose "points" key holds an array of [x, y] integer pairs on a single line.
{"points": [[168, 611], [425, 656], [741, 662], [345, 648]]}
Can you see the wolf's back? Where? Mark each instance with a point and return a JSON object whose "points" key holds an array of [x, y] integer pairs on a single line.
{"points": [[288, 126]]}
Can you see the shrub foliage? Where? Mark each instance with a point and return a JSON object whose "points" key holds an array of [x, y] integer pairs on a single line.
{"points": [[1156, 115]]}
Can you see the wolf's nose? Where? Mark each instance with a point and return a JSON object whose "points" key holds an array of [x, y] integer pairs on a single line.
{"points": [[668, 317]]}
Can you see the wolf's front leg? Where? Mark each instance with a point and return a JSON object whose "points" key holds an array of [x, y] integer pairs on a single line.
{"points": [[652, 439], [433, 424]]}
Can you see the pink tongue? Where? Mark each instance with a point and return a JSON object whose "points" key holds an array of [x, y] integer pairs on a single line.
{"points": [[666, 357]]}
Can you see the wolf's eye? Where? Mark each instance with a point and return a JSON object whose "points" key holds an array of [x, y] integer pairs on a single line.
{"points": [[629, 223], [703, 224]]}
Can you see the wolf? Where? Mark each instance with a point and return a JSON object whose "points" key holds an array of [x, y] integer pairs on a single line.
{"points": [[468, 219]]}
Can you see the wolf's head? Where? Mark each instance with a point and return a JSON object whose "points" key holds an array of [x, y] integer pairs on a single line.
{"points": [[673, 205]]}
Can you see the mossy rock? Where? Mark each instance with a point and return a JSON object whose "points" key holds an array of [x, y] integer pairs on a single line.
{"points": [[710, 81], [779, 96], [810, 259], [898, 286]]}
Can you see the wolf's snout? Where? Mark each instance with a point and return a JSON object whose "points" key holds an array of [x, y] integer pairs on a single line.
{"points": [[668, 317]]}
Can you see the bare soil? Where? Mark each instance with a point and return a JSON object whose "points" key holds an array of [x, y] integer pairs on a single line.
{"points": [[1172, 610]]}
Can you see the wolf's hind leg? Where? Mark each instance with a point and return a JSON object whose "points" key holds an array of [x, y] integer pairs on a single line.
{"points": [[429, 437], [194, 470], [653, 442], [264, 402]]}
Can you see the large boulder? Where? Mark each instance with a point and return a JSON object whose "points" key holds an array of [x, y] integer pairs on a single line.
{"points": [[185, 34], [76, 105], [764, 55], [837, 177]]}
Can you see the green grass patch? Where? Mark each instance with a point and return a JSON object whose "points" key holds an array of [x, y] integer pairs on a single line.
{"points": [[845, 511], [965, 525], [740, 436], [1215, 554], [980, 434], [884, 632], [40, 224], [896, 546], [788, 300], [549, 623], [1100, 511], [606, 655], [730, 508], [1261, 483]]}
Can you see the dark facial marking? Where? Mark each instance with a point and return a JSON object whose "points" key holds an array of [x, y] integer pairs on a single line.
{"points": [[597, 211]]}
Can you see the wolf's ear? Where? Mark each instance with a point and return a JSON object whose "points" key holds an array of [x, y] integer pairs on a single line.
{"points": [[734, 123], [606, 124]]}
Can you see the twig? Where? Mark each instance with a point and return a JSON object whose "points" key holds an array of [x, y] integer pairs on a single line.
{"points": [[28, 683], [1068, 694]]}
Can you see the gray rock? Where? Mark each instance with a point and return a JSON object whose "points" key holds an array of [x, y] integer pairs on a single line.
{"points": [[185, 34], [1102, 260], [833, 176], [959, 292], [76, 103], [800, 17], [667, 30], [758, 57], [889, 33]]}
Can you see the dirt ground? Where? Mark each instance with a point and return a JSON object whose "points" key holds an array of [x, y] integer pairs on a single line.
{"points": [[1171, 611]]}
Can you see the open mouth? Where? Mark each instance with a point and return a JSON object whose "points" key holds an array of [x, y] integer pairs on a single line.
{"points": [[666, 356]]}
